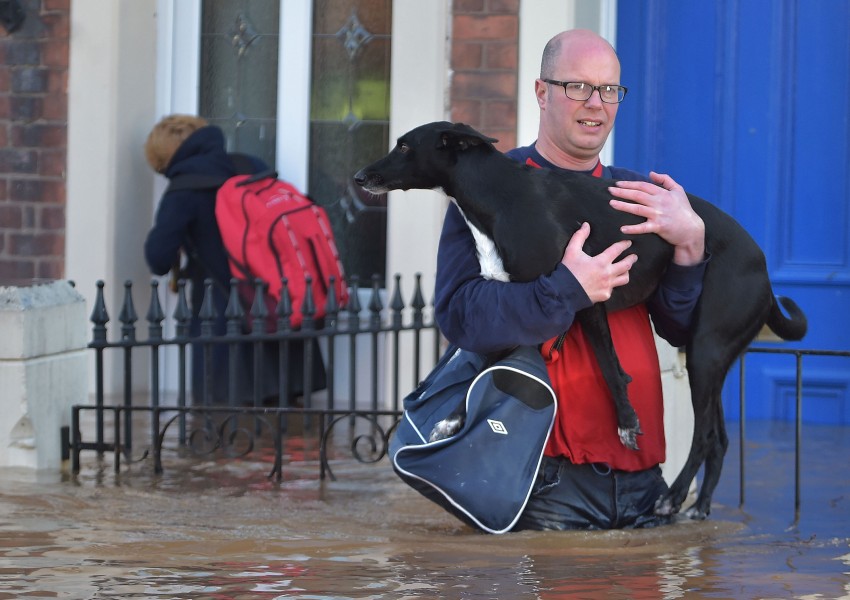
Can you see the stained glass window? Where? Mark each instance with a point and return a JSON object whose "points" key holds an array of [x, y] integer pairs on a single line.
{"points": [[349, 123], [238, 90]]}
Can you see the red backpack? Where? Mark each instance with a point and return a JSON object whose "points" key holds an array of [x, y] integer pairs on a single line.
{"points": [[271, 231]]}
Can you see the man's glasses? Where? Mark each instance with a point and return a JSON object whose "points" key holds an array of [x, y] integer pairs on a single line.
{"points": [[578, 90]]}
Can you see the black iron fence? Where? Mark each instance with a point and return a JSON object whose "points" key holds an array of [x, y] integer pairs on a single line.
{"points": [[798, 355], [371, 337]]}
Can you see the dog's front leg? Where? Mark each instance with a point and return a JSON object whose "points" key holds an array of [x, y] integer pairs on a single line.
{"points": [[594, 321]]}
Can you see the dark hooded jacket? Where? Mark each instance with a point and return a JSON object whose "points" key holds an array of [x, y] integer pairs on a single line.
{"points": [[185, 219]]}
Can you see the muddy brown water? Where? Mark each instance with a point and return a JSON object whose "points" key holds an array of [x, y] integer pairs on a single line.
{"points": [[221, 529]]}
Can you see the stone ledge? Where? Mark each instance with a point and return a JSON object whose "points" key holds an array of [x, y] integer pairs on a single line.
{"points": [[41, 319]]}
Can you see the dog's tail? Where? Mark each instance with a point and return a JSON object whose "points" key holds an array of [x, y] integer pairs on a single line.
{"points": [[790, 328]]}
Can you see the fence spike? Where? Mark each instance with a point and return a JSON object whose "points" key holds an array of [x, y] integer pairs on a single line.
{"points": [[128, 316], [182, 314], [331, 305], [375, 304], [397, 303], [308, 307], [283, 310], [233, 312], [353, 309], [155, 315], [418, 301], [259, 311], [207, 313], [99, 315]]}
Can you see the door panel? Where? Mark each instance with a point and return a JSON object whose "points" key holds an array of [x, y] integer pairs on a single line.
{"points": [[746, 104]]}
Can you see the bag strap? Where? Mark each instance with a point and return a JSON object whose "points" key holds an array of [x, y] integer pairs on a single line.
{"points": [[243, 164]]}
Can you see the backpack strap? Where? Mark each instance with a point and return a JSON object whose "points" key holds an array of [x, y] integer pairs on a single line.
{"points": [[196, 181], [243, 164]]}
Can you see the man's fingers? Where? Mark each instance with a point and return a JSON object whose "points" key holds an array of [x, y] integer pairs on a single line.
{"points": [[632, 208], [629, 258], [625, 264], [629, 189], [622, 269], [579, 237], [616, 249], [664, 180]]}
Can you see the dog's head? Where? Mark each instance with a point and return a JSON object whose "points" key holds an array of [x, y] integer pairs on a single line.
{"points": [[422, 158]]}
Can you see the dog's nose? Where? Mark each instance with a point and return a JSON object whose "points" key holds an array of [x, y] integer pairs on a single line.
{"points": [[360, 177]]}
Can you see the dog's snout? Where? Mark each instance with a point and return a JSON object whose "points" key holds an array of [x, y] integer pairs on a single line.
{"points": [[360, 177]]}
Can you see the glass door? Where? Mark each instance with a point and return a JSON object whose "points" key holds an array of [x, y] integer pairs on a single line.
{"points": [[347, 123]]}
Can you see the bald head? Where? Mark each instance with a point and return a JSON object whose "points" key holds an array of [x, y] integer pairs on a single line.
{"points": [[572, 132], [575, 44]]}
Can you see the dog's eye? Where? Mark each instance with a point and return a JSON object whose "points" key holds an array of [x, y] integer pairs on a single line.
{"points": [[403, 148]]}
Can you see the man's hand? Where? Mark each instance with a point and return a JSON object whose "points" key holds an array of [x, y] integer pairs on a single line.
{"points": [[600, 274], [668, 213]]}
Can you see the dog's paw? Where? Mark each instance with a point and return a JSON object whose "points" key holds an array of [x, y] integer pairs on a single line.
{"points": [[628, 437], [446, 428], [696, 514], [664, 506]]}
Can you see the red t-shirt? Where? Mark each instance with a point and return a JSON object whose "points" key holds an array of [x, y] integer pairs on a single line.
{"points": [[585, 428]]}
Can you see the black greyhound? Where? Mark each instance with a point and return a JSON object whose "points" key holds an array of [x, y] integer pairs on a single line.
{"points": [[530, 215]]}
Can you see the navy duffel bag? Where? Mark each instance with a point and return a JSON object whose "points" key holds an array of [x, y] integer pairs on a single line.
{"points": [[483, 474]]}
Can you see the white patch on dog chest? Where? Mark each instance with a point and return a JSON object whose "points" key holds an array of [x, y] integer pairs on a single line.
{"points": [[488, 256]]}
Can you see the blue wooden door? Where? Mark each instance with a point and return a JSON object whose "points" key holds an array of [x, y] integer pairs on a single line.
{"points": [[747, 104]]}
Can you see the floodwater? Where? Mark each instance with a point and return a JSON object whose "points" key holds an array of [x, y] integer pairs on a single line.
{"points": [[221, 529]]}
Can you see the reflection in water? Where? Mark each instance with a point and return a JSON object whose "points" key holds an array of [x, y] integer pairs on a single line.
{"points": [[221, 529]]}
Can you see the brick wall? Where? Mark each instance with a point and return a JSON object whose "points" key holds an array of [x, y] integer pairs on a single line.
{"points": [[33, 142], [485, 47]]}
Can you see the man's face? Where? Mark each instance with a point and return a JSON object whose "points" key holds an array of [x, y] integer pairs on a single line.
{"points": [[579, 128]]}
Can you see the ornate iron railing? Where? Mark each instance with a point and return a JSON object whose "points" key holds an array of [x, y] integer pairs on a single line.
{"points": [[203, 429]]}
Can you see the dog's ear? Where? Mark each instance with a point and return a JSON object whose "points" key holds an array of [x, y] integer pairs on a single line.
{"points": [[462, 136]]}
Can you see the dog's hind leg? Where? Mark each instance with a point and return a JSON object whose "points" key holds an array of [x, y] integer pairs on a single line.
{"points": [[717, 444], [709, 446], [704, 392], [707, 367], [701, 446], [594, 321]]}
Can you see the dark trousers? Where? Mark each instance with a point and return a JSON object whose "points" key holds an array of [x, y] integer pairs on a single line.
{"points": [[568, 496], [219, 372]]}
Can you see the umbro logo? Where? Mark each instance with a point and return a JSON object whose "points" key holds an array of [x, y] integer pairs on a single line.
{"points": [[497, 426]]}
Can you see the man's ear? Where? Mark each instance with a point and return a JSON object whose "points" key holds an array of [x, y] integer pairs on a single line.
{"points": [[541, 90], [462, 136]]}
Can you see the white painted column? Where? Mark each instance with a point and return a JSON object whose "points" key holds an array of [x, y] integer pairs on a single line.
{"points": [[111, 103], [419, 94]]}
